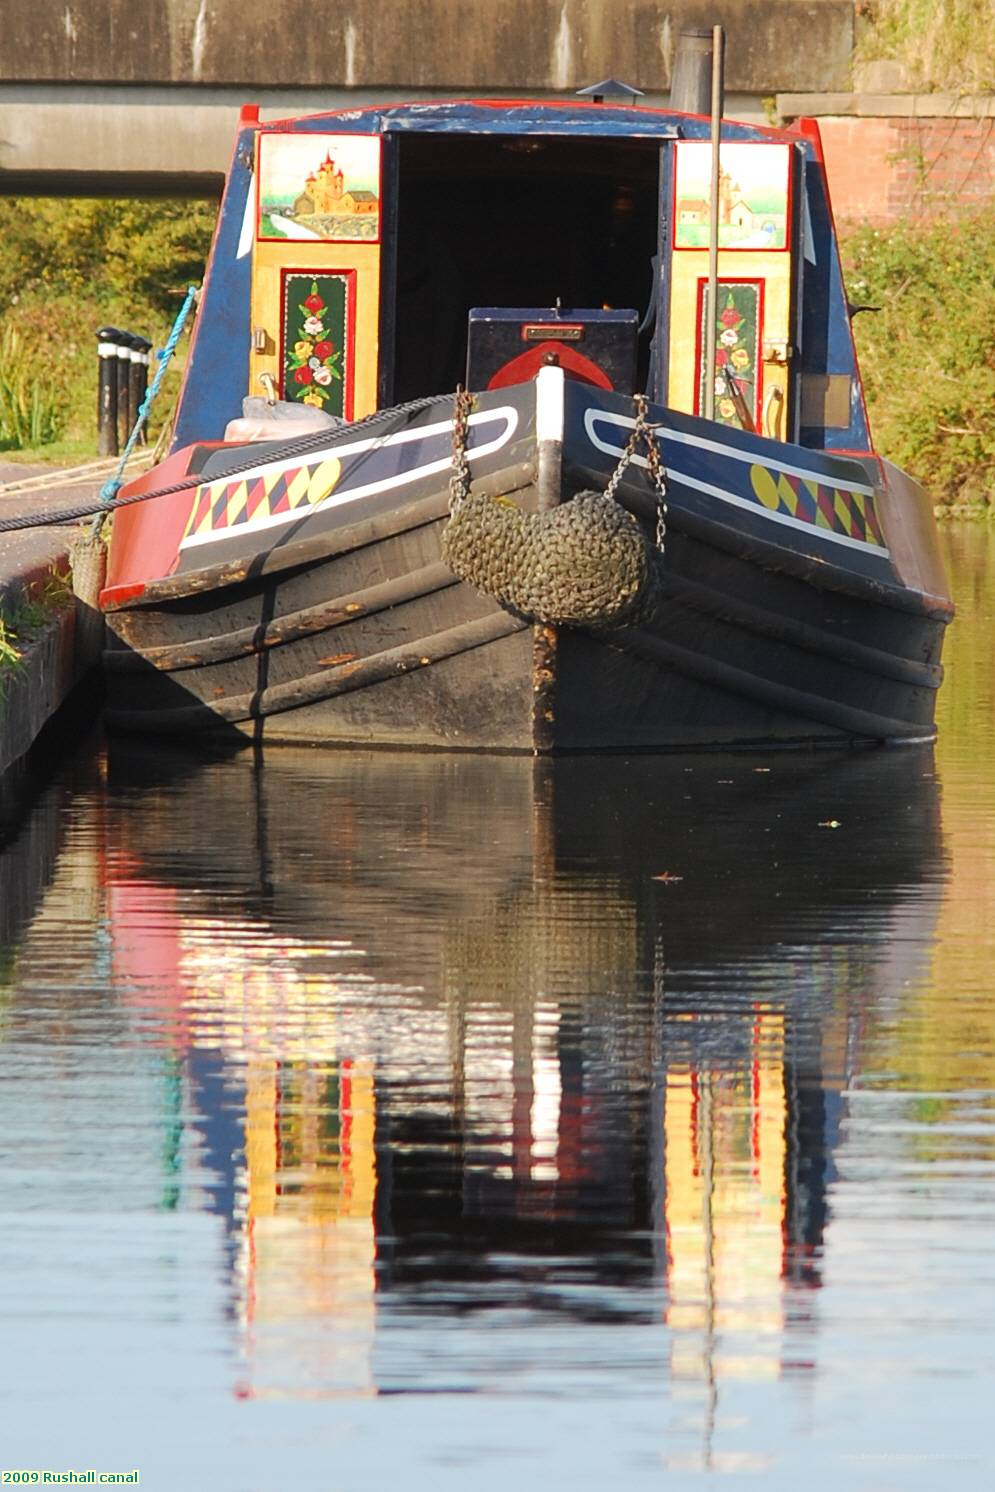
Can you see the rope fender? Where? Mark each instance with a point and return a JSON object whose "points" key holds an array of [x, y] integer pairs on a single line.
{"points": [[585, 563]]}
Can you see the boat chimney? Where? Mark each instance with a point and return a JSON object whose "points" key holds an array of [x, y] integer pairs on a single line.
{"points": [[691, 74]]}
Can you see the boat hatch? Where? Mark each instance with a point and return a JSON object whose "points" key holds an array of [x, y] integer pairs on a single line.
{"points": [[370, 252], [530, 221]]}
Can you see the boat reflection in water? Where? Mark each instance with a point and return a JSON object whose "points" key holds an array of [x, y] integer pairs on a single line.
{"points": [[546, 1040]]}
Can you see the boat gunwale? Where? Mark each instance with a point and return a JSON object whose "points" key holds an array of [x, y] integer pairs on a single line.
{"points": [[294, 554], [821, 574]]}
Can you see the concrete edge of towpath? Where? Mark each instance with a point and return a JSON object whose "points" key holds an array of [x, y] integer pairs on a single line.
{"points": [[33, 690]]}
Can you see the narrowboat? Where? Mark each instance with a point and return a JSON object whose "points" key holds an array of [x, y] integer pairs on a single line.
{"points": [[484, 443]]}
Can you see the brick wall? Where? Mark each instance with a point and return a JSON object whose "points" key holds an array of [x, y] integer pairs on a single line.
{"points": [[908, 165]]}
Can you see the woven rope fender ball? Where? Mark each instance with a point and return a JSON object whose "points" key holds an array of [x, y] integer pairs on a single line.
{"points": [[584, 563]]}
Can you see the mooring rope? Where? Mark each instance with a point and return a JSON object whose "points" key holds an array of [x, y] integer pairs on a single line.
{"points": [[111, 487], [302, 446]]}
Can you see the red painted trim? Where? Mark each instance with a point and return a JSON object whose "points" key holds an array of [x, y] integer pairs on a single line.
{"points": [[349, 349], [116, 595], [527, 364], [145, 543], [761, 285], [349, 392], [809, 130], [735, 248], [317, 135]]}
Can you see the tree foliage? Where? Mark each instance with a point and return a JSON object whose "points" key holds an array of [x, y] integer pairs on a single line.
{"points": [[928, 356], [67, 266], [139, 253]]}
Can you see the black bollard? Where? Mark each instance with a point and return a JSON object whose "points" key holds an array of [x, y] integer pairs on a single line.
{"points": [[125, 413], [691, 74], [107, 348], [141, 347]]}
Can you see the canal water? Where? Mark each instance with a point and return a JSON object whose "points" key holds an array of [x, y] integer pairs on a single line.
{"points": [[373, 1120]]}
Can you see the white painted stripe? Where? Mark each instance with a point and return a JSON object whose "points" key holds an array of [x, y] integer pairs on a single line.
{"points": [[247, 232], [549, 404], [106, 349], [595, 416], [746, 503], [505, 412], [337, 499]]}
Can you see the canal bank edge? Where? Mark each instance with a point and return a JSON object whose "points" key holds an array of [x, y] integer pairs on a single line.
{"points": [[33, 689]]}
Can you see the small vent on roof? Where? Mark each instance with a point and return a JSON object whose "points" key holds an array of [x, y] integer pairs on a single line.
{"points": [[612, 89]]}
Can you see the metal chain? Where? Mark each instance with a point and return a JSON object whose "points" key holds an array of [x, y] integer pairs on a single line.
{"points": [[624, 459], [642, 430], [646, 432], [459, 481], [658, 475]]}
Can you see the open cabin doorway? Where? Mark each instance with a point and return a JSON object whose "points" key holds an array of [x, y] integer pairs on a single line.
{"points": [[513, 220]]}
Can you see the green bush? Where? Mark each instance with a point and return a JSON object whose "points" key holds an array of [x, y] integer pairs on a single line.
{"points": [[928, 356], [68, 267]]}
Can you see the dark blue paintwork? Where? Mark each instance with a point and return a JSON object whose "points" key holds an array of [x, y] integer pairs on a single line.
{"points": [[218, 373], [724, 465]]}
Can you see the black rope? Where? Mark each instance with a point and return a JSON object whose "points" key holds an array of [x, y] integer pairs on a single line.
{"points": [[302, 446]]}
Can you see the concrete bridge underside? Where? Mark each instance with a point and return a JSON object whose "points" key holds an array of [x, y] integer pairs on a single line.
{"points": [[143, 95]]}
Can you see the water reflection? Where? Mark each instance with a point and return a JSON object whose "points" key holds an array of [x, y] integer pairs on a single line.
{"points": [[484, 1041]]}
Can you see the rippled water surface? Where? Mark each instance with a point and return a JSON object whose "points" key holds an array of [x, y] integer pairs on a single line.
{"points": [[374, 1119]]}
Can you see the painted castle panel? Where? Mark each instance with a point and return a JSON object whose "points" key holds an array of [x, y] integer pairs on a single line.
{"points": [[317, 186], [753, 195]]}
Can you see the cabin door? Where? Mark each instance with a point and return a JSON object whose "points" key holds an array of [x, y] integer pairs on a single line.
{"points": [[753, 323], [316, 270]]}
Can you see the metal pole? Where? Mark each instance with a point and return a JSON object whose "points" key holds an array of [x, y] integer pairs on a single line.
{"points": [[107, 391], [712, 298], [139, 379], [125, 417]]}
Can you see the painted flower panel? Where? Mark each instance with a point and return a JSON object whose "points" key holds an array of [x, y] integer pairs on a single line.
{"points": [[316, 336], [737, 349]]}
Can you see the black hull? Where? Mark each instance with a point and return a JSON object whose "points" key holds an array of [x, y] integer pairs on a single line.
{"points": [[362, 635]]}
